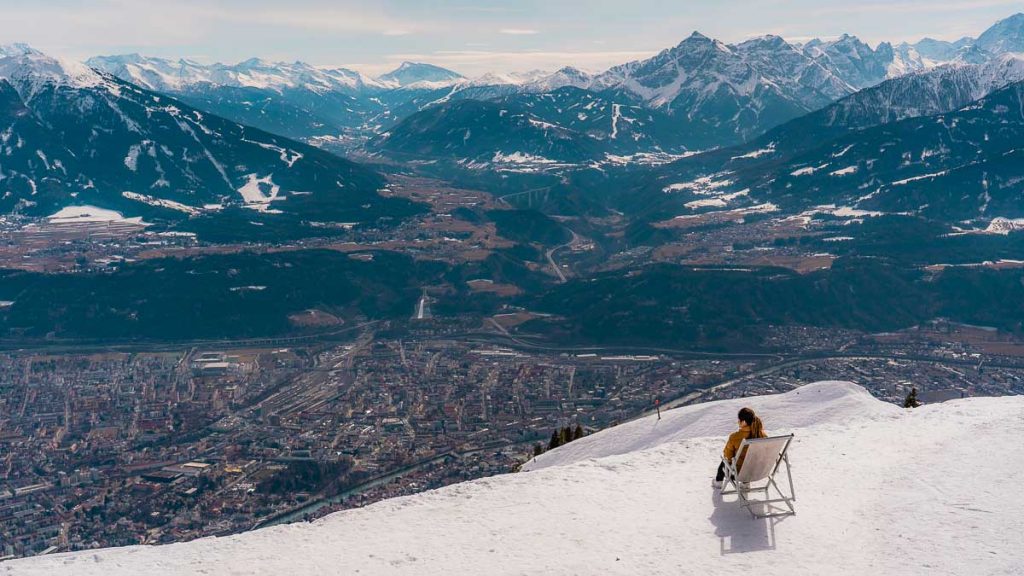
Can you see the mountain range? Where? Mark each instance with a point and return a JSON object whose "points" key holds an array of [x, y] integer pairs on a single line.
{"points": [[711, 93], [187, 144], [961, 163], [73, 135]]}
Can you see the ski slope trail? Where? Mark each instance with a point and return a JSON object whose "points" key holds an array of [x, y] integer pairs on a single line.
{"points": [[880, 490]]}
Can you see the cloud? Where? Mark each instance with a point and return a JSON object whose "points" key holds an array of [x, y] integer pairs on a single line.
{"points": [[328, 19], [518, 31], [69, 27]]}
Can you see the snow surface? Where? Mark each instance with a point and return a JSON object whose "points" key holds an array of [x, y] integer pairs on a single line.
{"points": [[86, 213], [800, 408], [880, 490]]}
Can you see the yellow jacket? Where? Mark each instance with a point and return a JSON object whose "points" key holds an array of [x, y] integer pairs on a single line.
{"points": [[733, 445]]}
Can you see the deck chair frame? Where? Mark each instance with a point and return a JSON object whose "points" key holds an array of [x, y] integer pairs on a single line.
{"points": [[745, 490]]}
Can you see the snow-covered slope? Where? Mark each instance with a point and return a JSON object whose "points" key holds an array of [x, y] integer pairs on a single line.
{"points": [[1007, 35], [879, 490], [807, 406]]}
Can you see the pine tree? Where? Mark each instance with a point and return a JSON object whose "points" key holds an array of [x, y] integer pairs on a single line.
{"points": [[555, 440], [911, 401], [566, 435], [538, 449], [578, 433]]}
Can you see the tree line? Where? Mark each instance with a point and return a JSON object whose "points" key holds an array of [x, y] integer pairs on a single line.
{"points": [[560, 437]]}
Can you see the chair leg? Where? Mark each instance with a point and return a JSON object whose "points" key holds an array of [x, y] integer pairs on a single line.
{"points": [[783, 498], [730, 478]]}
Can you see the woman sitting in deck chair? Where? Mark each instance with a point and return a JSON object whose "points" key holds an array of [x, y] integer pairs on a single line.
{"points": [[750, 427]]}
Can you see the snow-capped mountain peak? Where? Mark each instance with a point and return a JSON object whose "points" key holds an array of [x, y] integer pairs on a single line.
{"points": [[509, 78], [409, 73], [934, 52], [29, 71], [768, 41], [567, 76], [856, 63], [729, 91], [698, 40], [1007, 35], [16, 49]]}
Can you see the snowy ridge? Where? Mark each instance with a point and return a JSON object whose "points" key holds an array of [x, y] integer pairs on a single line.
{"points": [[880, 490], [165, 75], [29, 71], [561, 78], [938, 90]]}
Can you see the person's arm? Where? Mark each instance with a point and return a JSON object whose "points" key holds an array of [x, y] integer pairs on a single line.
{"points": [[731, 447]]}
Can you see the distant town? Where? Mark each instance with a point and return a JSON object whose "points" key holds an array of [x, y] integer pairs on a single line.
{"points": [[126, 447]]}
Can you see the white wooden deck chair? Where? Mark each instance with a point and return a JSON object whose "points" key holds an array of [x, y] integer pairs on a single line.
{"points": [[761, 462]]}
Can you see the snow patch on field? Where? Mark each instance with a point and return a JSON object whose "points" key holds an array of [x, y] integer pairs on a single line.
{"points": [[756, 153], [840, 212], [916, 178], [842, 152], [161, 203], [543, 125], [706, 203], [647, 158], [289, 157], [1004, 226], [258, 193], [520, 158], [808, 170], [131, 160], [703, 186], [717, 202], [72, 214]]}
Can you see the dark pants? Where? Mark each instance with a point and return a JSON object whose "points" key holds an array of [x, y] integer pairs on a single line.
{"points": [[721, 472]]}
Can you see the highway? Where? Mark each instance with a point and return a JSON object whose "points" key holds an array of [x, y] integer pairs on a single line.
{"points": [[551, 256]]}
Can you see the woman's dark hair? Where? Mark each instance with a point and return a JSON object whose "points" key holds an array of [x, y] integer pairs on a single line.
{"points": [[748, 417]]}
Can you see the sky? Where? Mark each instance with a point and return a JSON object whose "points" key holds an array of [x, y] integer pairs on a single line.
{"points": [[471, 37]]}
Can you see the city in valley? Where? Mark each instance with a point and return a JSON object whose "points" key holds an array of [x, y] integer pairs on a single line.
{"points": [[109, 448], [238, 293], [111, 443]]}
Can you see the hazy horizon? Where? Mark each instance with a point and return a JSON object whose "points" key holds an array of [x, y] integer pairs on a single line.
{"points": [[498, 36]]}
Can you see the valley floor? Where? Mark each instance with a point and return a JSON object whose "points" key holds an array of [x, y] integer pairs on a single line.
{"points": [[880, 490]]}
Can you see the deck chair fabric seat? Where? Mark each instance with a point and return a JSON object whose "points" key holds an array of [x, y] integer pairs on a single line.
{"points": [[762, 458]]}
